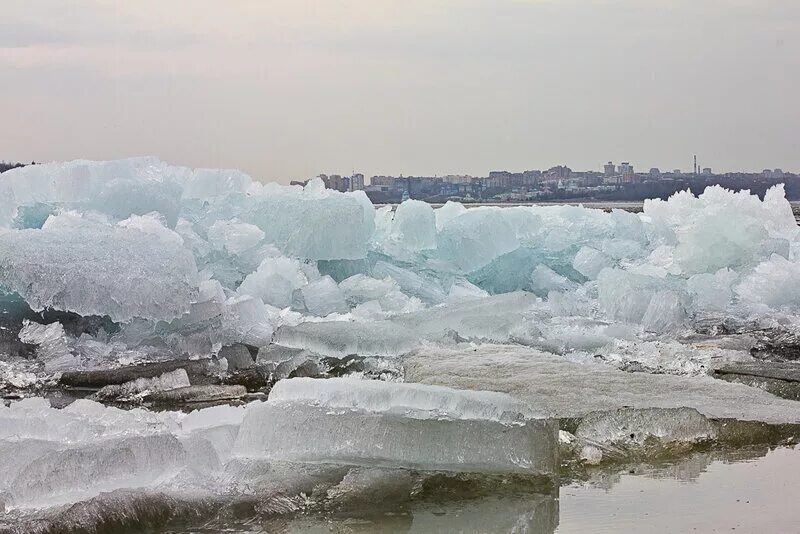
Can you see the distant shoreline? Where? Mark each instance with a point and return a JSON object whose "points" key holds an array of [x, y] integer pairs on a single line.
{"points": [[634, 206]]}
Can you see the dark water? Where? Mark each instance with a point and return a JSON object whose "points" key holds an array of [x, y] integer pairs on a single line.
{"points": [[751, 490], [727, 495]]}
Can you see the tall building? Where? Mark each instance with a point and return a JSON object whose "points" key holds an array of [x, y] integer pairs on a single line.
{"points": [[335, 181], [608, 169], [357, 182], [559, 171]]}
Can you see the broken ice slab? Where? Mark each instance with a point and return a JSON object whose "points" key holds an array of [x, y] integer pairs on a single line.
{"points": [[63, 455], [144, 386], [67, 474], [499, 318], [779, 378], [558, 387], [198, 394], [323, 297], [493, 317], [342, 338], [197, 370], [415, 400], [650, 432], [297, 432], [425, 287]]}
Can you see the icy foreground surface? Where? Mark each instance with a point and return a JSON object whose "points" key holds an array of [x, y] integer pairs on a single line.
{"points": [[555, 387], [51, 456]]}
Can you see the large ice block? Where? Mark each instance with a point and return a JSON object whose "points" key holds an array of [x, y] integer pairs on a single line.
{"points": [[95, 268], [298, 432], [414, 226]]}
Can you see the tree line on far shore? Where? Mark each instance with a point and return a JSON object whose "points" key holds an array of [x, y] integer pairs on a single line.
{"points": [[7, 165]]}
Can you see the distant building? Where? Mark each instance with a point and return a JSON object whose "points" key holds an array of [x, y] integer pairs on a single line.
{"points": [[559, 171], [654, 171], [625, 170], [357, 182], [707, 171], [385, 181], [608, 169], [335, 181], [499, 179], [531, 178], [457, 179]]}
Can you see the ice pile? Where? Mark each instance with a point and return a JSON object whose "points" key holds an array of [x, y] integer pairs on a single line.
{"points": [[186, 261]]}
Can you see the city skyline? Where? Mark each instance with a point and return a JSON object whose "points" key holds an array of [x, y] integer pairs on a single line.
{"points": [[637, 169], [284, 89]]}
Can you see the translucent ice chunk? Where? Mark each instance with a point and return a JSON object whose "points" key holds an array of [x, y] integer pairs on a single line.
{"points": [[414, 226], [634, 428], [426, 288], [476, 237], [447, 213], [411, 400], [638, 298], [233, 236], [360, 288], [297, 432], [312, 223], [245, 319], [545, 279], [711, 292], [323, 297], [95, 268], [53, 346], [274, 281], [665, 312], [772, 283], [589, 262], [341, 338]]}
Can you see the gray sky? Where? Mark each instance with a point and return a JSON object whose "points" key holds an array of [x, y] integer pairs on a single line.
{"points": [[286, 89]]}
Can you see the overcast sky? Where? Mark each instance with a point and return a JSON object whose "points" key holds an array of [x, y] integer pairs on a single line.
{"points": [[287, 89]]}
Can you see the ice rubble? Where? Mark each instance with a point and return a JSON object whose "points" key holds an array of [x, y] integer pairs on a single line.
{"points": [[190, 260], [53, 456]]}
